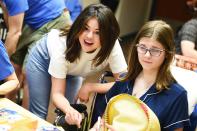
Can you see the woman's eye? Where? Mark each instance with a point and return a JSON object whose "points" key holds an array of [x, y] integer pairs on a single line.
{"points": [[86, 28], [97, 33]]}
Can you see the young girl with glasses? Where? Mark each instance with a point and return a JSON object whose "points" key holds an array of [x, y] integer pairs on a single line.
{"points": [[149, 77]]}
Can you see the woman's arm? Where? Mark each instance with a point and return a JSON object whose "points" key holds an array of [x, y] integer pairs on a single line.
{"points": [[89, 88], [118, 76], [11, 83], [188, 49], [73, 117]]}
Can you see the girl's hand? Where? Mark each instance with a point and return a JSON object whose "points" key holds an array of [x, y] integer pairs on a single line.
{"points": [[97, 126], [73, 117], [84, 92], [93, 129], [110, 127]]}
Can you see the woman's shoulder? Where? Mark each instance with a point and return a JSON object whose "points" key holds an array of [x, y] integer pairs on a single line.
{"points": [[191, 24], [192, 21], [54, 36], [55, 43], [54, 32]]}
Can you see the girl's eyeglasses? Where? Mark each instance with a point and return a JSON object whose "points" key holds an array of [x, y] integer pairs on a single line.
{"points": [[153, 51]]}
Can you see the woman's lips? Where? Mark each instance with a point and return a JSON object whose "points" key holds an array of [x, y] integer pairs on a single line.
{"points": [[88, 42]]}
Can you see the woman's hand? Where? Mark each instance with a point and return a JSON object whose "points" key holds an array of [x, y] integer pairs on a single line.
{"points": [[84, 92], [73, 117]]}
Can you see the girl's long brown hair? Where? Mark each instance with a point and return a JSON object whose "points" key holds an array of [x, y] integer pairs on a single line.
{"points": [[163, 33]]}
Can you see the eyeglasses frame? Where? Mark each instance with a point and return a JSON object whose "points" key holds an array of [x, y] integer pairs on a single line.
{"points": [[149, 50]]}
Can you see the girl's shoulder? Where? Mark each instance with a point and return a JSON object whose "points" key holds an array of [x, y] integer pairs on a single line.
{"points": [[123, 83], [176, 89], [122, 86]]}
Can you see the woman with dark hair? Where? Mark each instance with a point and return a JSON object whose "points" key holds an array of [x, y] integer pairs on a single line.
{"points": [[149, 77], [59, 58]]}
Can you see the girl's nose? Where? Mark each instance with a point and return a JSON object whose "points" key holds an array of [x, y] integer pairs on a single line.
{"points": [[147, 54]]}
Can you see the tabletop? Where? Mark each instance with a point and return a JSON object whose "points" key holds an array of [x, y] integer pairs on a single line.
{"points": [[14, 118]]}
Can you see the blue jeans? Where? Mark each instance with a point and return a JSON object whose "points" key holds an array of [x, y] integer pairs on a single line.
{"points": [[39, 80]]}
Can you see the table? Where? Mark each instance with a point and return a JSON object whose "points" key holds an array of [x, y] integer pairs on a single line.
{"points": [[7, 108]]}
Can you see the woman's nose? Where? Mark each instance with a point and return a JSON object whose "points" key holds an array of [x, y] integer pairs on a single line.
{"points": [[90, 34]]}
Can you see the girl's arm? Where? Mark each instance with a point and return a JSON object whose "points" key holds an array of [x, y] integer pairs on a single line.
{"points": [[72, 117], [179, 129], [11, 83]]}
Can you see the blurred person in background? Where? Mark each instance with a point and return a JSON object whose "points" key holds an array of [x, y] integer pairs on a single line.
{"points": [[27, 21], [8, 79], [74, 7]]}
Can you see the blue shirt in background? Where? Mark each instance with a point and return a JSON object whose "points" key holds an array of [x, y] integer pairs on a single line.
{"points": [[74, 7], [37, 12], [6, 68], [15, 7]]}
